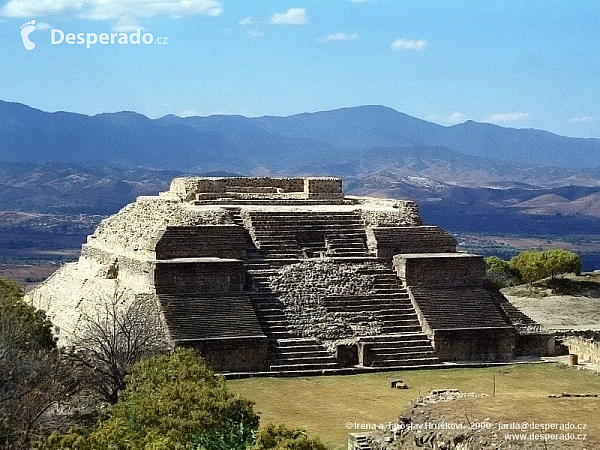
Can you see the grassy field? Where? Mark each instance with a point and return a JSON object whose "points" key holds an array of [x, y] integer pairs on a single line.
{"points": [[324, 405]]}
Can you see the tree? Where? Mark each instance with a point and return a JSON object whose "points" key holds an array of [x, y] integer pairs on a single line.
{"points": [[174, 402], [171, 402], [33, 380], [536, 265], [499, 272], [561, 261], [113, 337]]}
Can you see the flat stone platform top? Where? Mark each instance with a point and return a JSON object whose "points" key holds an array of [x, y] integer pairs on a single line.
{"points": [[437, 256], [210, 202]]}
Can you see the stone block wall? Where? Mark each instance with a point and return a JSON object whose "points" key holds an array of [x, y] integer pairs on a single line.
{"points": [[385, 242], [475, 344], [187, 188], [221, 241], [538, 344], [440, 269], [199, 275], [248, 354], [323, 187]]}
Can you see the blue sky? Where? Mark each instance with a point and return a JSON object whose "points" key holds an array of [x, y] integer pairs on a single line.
{"points": [[524, 64]]}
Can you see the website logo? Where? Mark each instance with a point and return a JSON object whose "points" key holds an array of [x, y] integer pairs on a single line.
{"points": [[26, 30]]}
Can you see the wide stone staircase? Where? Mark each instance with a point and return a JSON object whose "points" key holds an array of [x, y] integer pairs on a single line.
{"points": [[304, 234], [399, 350], [192, 316], [401, 341], [468, 306]]}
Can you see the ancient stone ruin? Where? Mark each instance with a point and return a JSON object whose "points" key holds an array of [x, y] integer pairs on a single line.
{"points": [[289, 276]]}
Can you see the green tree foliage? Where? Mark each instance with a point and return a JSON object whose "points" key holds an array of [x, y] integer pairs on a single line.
{"points": [[176, 402], [535, 265], [23, 328], [171, 402], [278, 437], [500, 274], [32, 379]]}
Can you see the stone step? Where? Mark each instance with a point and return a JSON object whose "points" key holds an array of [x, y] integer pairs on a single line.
{"points": [[402, 353], [395, 337], [425, 361], [346, 246], [299, 367], [401, 328], [387, 300], [384, 346], [300, 352], [278, 360], [371, 309]]}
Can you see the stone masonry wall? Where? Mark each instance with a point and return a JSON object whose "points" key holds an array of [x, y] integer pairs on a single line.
{"points": [[385, 242], [186, 188], [303, 287], [586, 349], [382, 212], [75, 292], [429, 269], [136, 226]]}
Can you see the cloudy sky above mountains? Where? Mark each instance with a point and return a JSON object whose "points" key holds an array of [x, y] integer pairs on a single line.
{"points": [[528, 64]]}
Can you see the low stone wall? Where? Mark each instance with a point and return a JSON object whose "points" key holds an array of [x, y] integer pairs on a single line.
{"points": [[234, 354], [475, 344], [403, 212], [385, 242], [586, 349], [429, 269], [323, 188], [187, 188], [199, 275]]}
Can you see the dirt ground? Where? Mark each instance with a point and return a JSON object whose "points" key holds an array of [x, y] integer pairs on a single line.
{"points": [[575, 304]]}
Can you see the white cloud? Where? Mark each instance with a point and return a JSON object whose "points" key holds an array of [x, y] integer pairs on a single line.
{"points": [[254, 33], [126, 24], [409, 45], [455, 118], [452, 119], [110, 9], [293, 16], [247, 21], [582, 119], [337, 37], [43, 26], [507, 117]]}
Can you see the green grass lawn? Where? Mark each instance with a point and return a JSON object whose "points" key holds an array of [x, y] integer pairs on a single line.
{"points": [[323, 405]]}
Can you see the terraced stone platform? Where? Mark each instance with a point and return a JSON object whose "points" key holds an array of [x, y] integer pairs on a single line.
{"points": [[287, 276]]}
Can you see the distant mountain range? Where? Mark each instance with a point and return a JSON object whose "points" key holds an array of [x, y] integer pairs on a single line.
{"points": [[338, 141]]}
